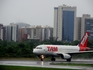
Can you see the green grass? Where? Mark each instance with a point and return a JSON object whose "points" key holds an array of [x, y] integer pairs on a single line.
{"points": [[5, 67], [72, 64]]}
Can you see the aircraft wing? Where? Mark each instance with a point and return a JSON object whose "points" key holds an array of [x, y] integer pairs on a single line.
{"points": [[77, 52], [86, 51], [81, 52]]}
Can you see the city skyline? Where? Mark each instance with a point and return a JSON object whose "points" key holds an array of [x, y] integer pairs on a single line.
{"points": [[12, 32], [40, 12]]}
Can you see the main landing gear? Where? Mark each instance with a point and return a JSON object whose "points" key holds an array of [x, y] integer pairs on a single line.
{"points": [[69, 60], [53, 59]]}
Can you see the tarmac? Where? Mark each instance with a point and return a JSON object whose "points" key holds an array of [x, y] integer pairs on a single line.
{"points": [[33, 63]]}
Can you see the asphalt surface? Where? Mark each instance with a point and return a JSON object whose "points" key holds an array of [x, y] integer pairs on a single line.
{"points": [[47, 63]]}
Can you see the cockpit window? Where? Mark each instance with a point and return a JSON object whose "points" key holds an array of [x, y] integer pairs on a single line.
{"points": [[38, 47]]}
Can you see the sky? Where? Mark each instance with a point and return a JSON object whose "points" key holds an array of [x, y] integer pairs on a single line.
{"points": [[38, 12]]}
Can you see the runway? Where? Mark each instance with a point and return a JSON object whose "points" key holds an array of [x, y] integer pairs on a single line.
{"points": [[47, 63]]}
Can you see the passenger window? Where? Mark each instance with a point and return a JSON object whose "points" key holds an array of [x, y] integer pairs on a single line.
{"points": [[38, 47]]}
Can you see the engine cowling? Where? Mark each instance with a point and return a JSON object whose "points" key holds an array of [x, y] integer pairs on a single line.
{"points": [[65, 56]]}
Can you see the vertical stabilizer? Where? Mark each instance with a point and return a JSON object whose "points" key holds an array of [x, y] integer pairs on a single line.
{"points": [[84, 42]]}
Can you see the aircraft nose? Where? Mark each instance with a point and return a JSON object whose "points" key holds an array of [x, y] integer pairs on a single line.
{"points": [[34, 51]]}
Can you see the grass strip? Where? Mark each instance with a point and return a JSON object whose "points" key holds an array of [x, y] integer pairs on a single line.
{"points": [[6, 67], [72, 64]]}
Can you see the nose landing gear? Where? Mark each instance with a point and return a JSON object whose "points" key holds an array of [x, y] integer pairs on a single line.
{"points": [[42, 57]]}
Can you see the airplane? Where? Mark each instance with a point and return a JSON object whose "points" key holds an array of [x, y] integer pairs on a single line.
{"points": [[63, 51]]}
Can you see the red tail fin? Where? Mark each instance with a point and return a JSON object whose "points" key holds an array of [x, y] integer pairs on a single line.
{"points": [[84, 42]]}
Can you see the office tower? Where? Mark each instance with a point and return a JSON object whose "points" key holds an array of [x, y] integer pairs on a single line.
{"points": [[11, 32], [87, 25], [1, 32], [39, 32], [78, 22], [65, 23], [47, 33], [8, 33], [22, 34], [14, 30]]}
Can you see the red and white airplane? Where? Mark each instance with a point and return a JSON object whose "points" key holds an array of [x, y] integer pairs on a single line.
{"points": [[64, 51]]}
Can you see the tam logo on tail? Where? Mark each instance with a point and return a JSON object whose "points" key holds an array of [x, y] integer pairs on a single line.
{"points": [[84, 40]]}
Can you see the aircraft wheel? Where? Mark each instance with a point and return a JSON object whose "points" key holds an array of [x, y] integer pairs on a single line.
{"points": [[69, 60], [53, 59], [41, 59]]}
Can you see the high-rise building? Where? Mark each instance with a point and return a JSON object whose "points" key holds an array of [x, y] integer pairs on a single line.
{"points": [[37, 33], [8, 33], [85, 23], [11, 32], [65, 26], [14, 32], [34, 32], [78, 22], [2, 32], [22, 36], [47, 33]]}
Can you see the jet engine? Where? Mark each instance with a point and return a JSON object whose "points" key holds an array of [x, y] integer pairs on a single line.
{"points": [[65, 56]]}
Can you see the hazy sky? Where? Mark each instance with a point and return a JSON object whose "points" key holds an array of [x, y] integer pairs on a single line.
{"points": [[38, 12]]}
